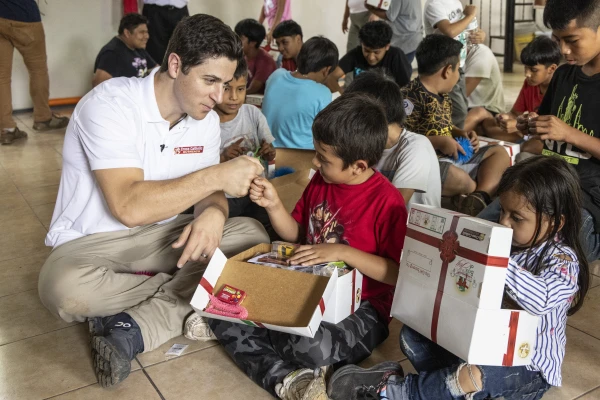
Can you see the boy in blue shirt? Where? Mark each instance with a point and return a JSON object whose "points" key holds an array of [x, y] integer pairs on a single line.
{"points": [[293, 99]]}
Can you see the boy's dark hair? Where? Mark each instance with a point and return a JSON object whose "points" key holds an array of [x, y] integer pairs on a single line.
{"points": [[354, 125], [131, 21], [542, 50], [381, 86], [200, 37], [551, 188], [287, 28], [375, 34], [435, 52], [241, 70], [252, 29], [559, 13], [317, 53]]}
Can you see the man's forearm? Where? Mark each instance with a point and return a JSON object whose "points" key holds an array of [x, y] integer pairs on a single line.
{"points": [[217, 200]]}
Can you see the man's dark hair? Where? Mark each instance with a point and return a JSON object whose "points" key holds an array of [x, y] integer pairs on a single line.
{"points": [[542, 50], [375, 34], [435, 52], [252, 29], [354, 125], [317, 53], [200, 37], [381, 86], [559, 13], [131, 21], [241, 70], [287, 28]]}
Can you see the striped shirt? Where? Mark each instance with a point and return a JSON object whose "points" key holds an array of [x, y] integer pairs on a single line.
{"points": [[548, 295]]}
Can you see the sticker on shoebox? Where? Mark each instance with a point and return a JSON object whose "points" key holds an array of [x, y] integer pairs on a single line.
{"points": [[423, 219], [473, 234], [176, 350]]}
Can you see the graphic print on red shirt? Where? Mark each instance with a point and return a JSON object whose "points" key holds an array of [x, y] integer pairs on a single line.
{"points": [[370, 217]]}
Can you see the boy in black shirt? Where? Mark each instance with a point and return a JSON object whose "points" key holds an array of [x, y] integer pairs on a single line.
{"points": [[374, 51], [569, 122], [125, 55]]}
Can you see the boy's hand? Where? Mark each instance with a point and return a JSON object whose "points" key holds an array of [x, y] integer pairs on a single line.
{"points": [[523, 123], [507, 123], [233, 150], [550, 127], [470, 10], [450, 147], [263, 193], [316, 254], [474, 139], [477, 37], [266, 151]]}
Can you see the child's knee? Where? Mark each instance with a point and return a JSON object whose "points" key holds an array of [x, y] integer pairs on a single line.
{"points": [[499, 154], [466, 381], [459, 181]]}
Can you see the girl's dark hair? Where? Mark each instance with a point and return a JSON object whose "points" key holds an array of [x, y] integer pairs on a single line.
{"points": [[551, 188], [200, 37], [317, 53], [542, 50]]}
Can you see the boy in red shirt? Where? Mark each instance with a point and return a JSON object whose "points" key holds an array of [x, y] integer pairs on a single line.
{"points": [[540, 59], [288, 36], [260, 64], [349, 212]]}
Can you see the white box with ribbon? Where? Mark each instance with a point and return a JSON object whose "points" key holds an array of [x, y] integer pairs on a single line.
{"points": [[511, 148], [451, 284], [381, 4]]}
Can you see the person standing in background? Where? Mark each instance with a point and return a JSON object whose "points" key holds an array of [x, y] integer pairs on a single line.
{"points": [[275, 11], [163, 16], [406, 19], [21, 27], [359, 15]]}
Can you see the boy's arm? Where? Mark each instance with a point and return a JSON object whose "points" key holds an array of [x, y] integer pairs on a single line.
{"points": [[255, 87], [377, 11], [456, 28], [550, 127], [471, 84], [332, 80]]}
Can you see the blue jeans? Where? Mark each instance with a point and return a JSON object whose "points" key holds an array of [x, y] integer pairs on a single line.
{"points": [[437, 378], [589, 238]]}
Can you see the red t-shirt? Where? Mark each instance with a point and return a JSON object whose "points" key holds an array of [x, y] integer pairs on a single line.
{"points": [[529, 99], [289, 64], [260, 68], [370, 217]]}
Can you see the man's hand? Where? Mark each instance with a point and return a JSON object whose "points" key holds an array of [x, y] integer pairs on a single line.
{"points": [[266, 151], [450, 147], [236, 175], [470, 10], [474, 139], [263, 193], [317, 254], [233, 150], [201, 237], [345, 26], [550, 127]]}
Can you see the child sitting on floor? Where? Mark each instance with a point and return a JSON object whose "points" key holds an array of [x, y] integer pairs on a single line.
{"points": [[547, 275], [429, 112], [244, 131], [260, 64], [349, 136]]}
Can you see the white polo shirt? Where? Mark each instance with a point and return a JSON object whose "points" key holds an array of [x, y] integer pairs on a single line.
{"points": [[118, 125]]}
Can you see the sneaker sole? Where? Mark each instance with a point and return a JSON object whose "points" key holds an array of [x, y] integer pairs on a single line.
{"points": [[110, 367], [472, 205], [388, 366]]}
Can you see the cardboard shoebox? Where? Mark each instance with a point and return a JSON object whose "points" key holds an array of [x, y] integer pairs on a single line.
{"points": [[511, 148], [381, 4], [451, 285], [279, 299], [255, 99]]}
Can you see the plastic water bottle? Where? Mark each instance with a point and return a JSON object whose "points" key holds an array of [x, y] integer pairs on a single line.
{"points": [[472, 28]]}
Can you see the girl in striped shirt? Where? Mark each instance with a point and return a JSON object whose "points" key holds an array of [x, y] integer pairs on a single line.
{"points": [[547, 275]]}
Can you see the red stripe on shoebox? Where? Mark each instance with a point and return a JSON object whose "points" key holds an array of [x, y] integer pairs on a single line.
{"points": [[513, 324], [322, 306], [461, 252], [206, 285]]}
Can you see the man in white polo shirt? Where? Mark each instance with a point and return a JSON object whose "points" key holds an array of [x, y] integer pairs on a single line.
{"points": [[137, 153]]}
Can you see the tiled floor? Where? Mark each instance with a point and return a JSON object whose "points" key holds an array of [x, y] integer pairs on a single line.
{"points": [[42, 357]]}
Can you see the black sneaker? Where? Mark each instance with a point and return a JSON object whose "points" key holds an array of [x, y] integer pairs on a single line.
{"points": [[115, 341], [353, 382]]}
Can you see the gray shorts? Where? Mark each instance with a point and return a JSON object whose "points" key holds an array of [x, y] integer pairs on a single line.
{"points": [[471, 167]]}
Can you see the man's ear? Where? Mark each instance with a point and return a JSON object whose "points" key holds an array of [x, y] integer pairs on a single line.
{"points": [[174, 65], [359, 167]]}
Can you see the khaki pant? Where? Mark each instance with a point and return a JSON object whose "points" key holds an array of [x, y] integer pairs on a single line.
{"points": [[95, 276], [29, 39]]}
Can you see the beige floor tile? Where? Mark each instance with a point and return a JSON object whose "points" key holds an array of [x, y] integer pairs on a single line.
{"points": [[51, 161], [44, 213], [595, 267], [593, 395], [10, 203], [595, 281], [389, 350], [41, 195], [28, 317], [6, 184], [136, 387], [47, 365], [158, 355], [33, 180], [21, 274], [206, 374], [588, 318], [22, 234]]}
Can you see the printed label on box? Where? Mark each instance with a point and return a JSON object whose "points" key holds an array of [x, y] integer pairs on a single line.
{"points": [[473, 235], [423, 219], [418, 264]]}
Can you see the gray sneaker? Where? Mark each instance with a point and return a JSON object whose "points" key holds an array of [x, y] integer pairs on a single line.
{"points": [[353, 382], [196, 328], [302, 384], [57, 122]]}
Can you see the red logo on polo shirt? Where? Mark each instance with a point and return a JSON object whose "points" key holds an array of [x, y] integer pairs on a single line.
{"points": [[189, 150]]}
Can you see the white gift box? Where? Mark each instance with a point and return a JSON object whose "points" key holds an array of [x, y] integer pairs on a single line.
{"points": [[279, 299], [381, 4], [450, 288], [255, 99], [511, 148]]}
